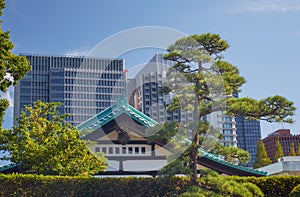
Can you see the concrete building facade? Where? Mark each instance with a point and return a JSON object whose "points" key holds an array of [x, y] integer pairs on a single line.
{"points": [[85, 86]]}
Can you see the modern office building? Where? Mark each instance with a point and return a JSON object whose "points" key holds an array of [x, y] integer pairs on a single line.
{"points": [[286, 139], [143, 92], [248, 134], [228, 129], [144, 95], [85, 86]]}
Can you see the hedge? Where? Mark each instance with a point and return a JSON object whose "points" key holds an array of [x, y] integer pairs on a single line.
{"points": [[35, 185], [295, 192], [272, 186], [38, 185]]}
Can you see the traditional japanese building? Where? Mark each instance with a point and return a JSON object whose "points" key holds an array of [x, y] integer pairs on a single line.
{"points": [[120, 132]]}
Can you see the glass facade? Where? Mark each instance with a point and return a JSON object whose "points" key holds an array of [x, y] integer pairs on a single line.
{"points": [[146, 96], [248, 134], [85, 86]]}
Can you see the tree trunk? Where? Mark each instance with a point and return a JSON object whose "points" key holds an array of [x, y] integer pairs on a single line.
{"points": [[193, 159], [195, 143]]}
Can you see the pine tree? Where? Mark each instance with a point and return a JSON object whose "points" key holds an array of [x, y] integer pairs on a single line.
{"points": [[292, 151], [278, 151], [200, 78], [298, 150], [261, 156]]}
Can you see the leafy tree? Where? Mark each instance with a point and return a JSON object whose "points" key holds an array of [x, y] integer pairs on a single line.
{"points": [[292, 150], [262, 158], [298, 150], [12, 67], [278, 150], [203, 83], [44, 144], [232, 154]]}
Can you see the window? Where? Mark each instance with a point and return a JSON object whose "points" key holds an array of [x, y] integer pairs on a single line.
{"points": [[104, 150], [136, 150], [110, 150], [143, 150], [227, 119], [130, 150], [227, 132], [117, 150], [97, 149], [123, 150], [228, 138], [227, 125]]}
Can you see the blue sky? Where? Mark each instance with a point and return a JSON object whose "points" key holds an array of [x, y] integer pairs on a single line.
{"points": [[264, 35]]}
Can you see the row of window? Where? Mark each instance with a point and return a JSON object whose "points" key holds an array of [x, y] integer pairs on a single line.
{"points": [[83, 111], [110, 96], [92, 82], [228, 138], [94, 75], [121, 150], [44, 62]]}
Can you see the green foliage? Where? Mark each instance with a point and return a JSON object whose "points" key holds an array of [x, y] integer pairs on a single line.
{"points": [[224, 187], [33, 185], [292, 150], [298, 150], [278, 150], [232, 154], [295, 192], [271, 186], [200, 79], [271, 109], [44, 144], [192, 86], [195, 191], [12, 67], [262, 158], [176, 166]]}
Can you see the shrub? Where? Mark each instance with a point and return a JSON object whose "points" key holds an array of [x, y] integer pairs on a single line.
{"points": [[272, 186], [195, 191], [295, 192], [221, 185], [35, 185]]}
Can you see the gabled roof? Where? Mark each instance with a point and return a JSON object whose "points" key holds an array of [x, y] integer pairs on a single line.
{"points": [[112, 112], [11, 167]]}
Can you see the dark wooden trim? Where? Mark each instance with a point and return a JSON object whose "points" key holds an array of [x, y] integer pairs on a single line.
{"points": [[120, 173], [112, 142], [153, 149], [125, 158]]}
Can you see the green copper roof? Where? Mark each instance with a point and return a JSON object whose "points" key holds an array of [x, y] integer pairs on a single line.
{"points": [[114, 111], [217, 158], [8, 166], [122, 106]]}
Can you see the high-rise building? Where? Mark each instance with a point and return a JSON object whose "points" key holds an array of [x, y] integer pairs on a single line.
{"points": [[248, 134], [228, 128], [85, 86], [143, 92], [286, 139]]}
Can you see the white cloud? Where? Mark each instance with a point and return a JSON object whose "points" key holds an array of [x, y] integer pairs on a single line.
{"points": [[269, 5], [9, 95], [8, 117]]}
